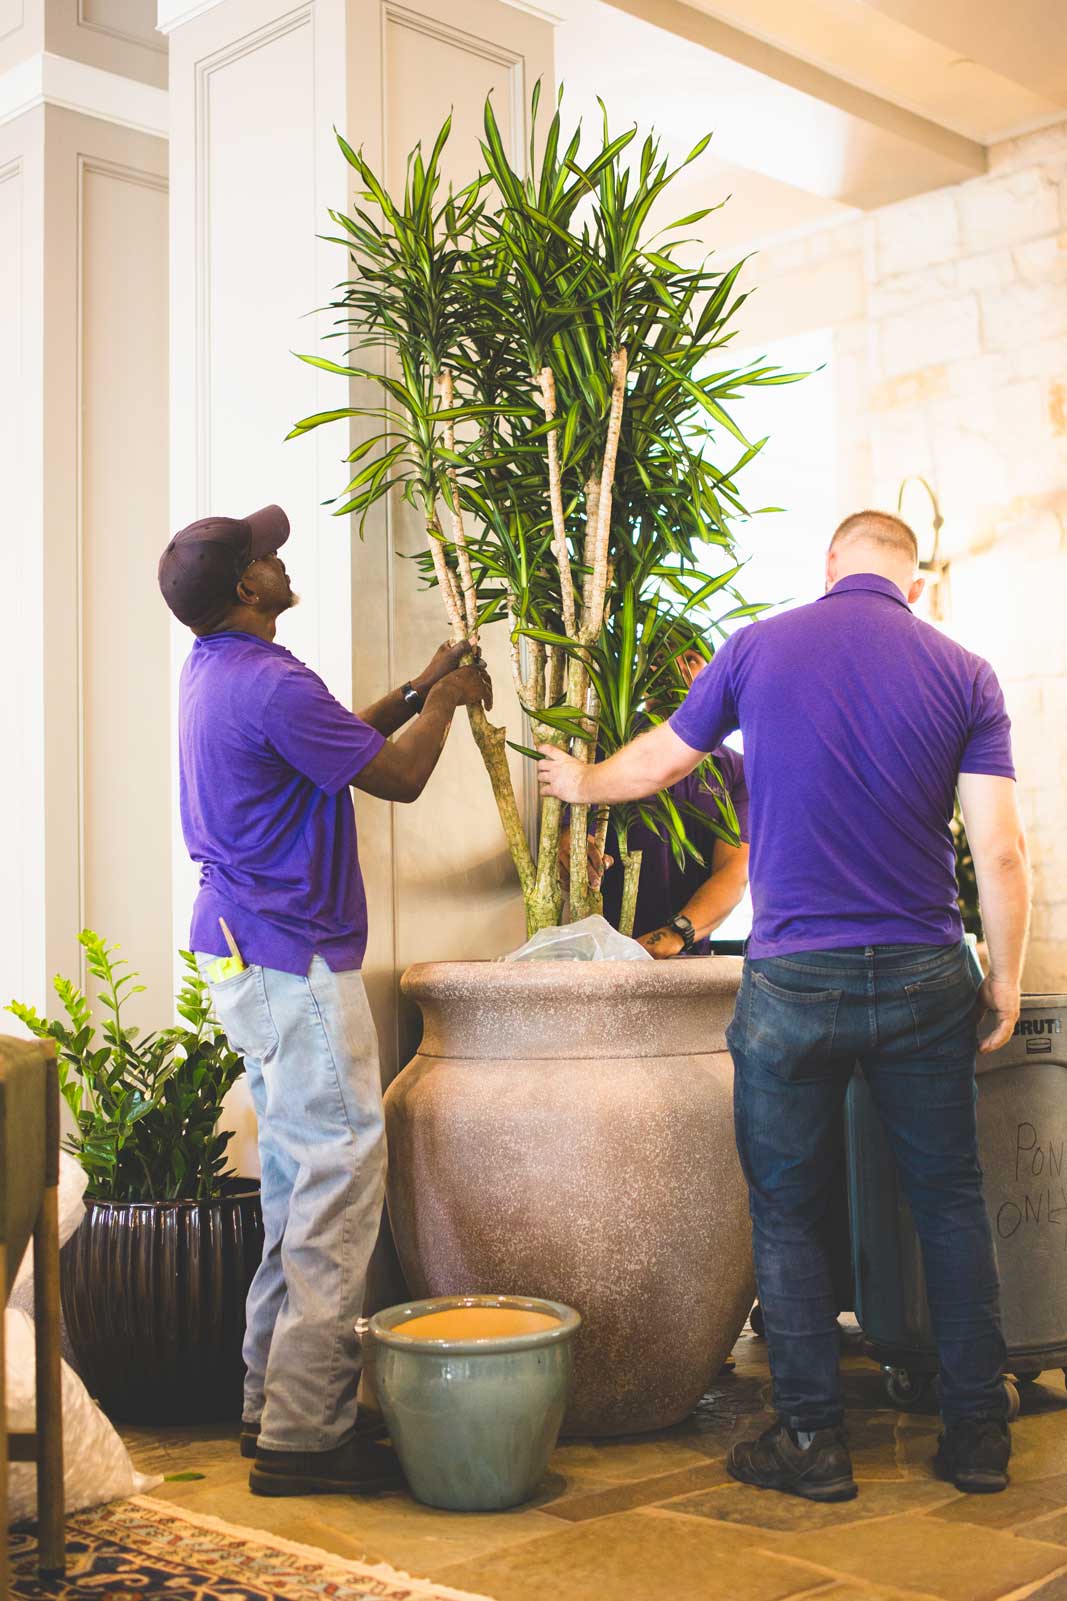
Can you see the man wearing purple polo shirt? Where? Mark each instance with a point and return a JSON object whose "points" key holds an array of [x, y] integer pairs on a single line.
{"points": [[860, 724], [267, 759]]}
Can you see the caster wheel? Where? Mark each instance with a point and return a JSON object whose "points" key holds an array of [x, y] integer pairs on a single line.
{"points": [[1014, 1405], [759, 1328], [904, 1388]]}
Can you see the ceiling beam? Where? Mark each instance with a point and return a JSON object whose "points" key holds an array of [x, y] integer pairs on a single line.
{"points": [[1023, 41], [886, 153]]}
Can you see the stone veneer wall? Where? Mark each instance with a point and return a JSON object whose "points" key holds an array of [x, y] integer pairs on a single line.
{"points": [[949, 319]]}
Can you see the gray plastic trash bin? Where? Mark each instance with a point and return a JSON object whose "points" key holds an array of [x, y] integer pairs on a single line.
{"points": [[1022, 1130]]}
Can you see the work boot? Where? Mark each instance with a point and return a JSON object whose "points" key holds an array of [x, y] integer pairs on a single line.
{"points": [[360, 1467], [820, 1468], [370, 1425], [973, 1454]]}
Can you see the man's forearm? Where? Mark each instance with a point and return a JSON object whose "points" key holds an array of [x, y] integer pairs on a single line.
{"points": [[422, 745], [716, 898], [651, 762], [1004, 899], [399, 771], [392, 711]]}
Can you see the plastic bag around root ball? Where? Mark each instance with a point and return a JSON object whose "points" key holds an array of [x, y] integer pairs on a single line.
{"points": [[591, 939], [96, 1464]]}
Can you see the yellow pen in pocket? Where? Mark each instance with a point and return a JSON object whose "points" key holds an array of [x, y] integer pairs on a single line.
{"points": [[226, 966]]}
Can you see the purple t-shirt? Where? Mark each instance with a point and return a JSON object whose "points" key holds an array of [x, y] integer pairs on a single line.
{"points": [[857, 719], [664, 887], [266, 757]]}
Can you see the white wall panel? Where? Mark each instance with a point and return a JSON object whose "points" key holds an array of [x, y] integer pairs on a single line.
{"points": [[26, 873], [16, 864], [257, 277], [123, 527], [118, 36], [21, 31]]}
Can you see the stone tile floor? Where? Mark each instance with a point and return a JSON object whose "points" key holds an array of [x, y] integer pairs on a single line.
{"points": [[657, 1518]]}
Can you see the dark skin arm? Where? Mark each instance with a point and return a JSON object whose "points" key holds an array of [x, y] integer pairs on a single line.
{"points": [[400, 771], [393, 711]]}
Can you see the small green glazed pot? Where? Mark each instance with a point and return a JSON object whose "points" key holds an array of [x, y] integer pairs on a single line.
{"points": [[474, 1422]]}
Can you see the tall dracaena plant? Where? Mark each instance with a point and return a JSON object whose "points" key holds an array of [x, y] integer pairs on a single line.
{"points": [[548, 383]]}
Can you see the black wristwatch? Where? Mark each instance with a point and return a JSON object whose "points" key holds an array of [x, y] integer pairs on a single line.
{"points": [[412, 696], [684, 927]]}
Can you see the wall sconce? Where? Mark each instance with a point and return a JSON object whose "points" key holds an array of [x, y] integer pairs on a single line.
{"points": [[935, 568]]}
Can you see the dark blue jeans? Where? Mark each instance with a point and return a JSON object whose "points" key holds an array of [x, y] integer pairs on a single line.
{"points": [[907, 1015]]}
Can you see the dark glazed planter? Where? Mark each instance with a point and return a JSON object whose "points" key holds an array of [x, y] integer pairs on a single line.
{"points": [[566, 1132], [154, 1302]]}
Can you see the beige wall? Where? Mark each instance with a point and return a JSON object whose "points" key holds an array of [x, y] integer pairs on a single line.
{"points": [[85, 705], [255, 91], [949, 319]]}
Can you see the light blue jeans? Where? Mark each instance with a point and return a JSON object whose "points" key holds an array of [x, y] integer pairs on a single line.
{"points": [[311, 1055]]}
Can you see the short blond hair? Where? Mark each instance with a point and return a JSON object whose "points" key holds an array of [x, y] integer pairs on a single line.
{"points": [[878, 528]]}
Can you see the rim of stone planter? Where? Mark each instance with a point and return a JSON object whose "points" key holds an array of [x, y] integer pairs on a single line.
{"points": [[386, 1325], [573, 1009]]}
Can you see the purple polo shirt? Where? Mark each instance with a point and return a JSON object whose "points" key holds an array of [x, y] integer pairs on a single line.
{"points": [[664, 887], [266, 757], [857, 720]]}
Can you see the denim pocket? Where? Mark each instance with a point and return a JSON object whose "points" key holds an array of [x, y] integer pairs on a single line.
{"points": [[790, 1031], [944, 1010], [241, 1007]]}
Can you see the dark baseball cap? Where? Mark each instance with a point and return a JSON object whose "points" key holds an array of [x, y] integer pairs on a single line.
{"points": [[199, 569]]}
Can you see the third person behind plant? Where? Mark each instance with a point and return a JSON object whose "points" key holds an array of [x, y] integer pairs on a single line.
{"points": [[680, 904]]}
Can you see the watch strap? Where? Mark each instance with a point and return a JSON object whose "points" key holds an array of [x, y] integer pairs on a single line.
{"points": [[685, 929], [412, 696]]}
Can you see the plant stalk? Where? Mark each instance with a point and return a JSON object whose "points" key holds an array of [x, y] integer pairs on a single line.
{"points": [[492, 743], [555, 493], [445, 582], [459, 534], [596, 582], [490, 739], [631, 875]]}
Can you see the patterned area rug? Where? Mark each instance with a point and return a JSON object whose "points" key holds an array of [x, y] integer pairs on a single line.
{"points": [[147, 1550]]}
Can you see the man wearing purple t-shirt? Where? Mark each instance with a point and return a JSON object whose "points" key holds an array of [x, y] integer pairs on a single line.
{"points": [[267, 761], [860, 724]]}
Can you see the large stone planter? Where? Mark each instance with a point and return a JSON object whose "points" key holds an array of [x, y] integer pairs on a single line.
{"points": [[566, 1131]]}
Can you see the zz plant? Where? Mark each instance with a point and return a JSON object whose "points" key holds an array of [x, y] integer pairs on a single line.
{"points": [[146, 1106], [544, 385]]}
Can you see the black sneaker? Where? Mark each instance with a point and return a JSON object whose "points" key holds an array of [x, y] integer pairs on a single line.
{"points": [[820, 1472], [360, 1467], [973, 1454]]}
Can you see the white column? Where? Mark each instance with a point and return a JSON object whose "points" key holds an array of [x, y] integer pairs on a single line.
{"points": [[83, 663]]}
